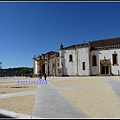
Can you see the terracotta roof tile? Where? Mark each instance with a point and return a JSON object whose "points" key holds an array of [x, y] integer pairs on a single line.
{"points": [[106, 42], [74, 46]]}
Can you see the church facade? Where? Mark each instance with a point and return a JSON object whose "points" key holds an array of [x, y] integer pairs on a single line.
{"points": [[101, 57], [46, 63]]}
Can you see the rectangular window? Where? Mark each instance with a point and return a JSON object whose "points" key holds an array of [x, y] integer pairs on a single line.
{"points": [[114, 59], [94, 61], [83, 65], [70, 58]]}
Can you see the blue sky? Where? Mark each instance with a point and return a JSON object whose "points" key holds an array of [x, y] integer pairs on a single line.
{"points": [[32, 28]]}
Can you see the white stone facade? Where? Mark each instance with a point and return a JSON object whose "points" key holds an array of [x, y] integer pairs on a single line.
{"points": [[78, 59], [75, 67], [35, 67], [101, 54]]}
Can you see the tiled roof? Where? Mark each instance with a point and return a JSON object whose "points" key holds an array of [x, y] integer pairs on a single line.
{"points": [[96, 44], [106, 42], [76, 45], [72, 46]]}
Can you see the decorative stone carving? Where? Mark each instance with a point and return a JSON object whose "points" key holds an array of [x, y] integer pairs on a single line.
{"points": [[54, 66], [105, 62], [105, 66]]}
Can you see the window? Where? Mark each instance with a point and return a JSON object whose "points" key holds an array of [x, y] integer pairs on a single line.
{"points": [[94, 61], [114, 58], [70, 58], [83, 65]]}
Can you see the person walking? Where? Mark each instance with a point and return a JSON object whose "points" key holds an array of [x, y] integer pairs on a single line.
{"points": [[45, 76], [40, 76]]}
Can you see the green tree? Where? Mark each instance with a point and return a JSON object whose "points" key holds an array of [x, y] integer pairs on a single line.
{"points": [[0, 65], [24, 72]]}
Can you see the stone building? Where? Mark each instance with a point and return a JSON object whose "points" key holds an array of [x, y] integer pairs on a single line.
{"points": [[99, 57], [46, 63], [105, 57]]}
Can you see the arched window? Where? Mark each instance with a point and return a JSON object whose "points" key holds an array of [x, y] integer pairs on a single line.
{"points": [[70, 58]]}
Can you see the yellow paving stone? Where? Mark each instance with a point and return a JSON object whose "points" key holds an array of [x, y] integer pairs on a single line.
{"points": [[8, 82], [116, 78], [20, 104], [19, 78], [11, 81], [17, 88], [95, 101], [76, 81], [9, 87]]}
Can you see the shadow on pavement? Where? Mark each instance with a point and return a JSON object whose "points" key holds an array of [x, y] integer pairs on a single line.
{"points": [[5, 116]]}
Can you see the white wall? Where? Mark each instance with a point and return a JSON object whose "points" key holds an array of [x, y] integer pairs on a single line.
{"points": [[35, 68], [108, 54], [95, 69], [70, 67], [80, 55], [83, 56], [62, 61]]}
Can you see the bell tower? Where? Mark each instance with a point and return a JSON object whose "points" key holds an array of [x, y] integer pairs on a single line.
{"points": [[61, 51], [61, 46]]}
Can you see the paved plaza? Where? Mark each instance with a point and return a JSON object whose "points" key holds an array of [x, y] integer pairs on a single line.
{"points": [[61, 97]]}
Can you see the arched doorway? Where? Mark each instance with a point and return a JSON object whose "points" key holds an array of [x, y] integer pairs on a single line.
{"points": [[43, 68], [105, 66]]}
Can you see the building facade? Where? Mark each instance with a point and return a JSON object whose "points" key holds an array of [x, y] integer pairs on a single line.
{"points": [[101, 57], [46, 63]]}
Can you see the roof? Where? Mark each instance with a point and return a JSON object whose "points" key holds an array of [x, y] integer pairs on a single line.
{"points": [[105, 42], [76, 45], [98, 44], [50, 53]]}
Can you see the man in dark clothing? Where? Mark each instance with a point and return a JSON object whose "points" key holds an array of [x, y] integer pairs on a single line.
{"points": [[45, 76], [40, 76]]}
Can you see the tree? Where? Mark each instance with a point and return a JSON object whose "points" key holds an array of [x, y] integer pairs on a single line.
{"points": [[0, 68], [0, 65], [24, 72]]}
